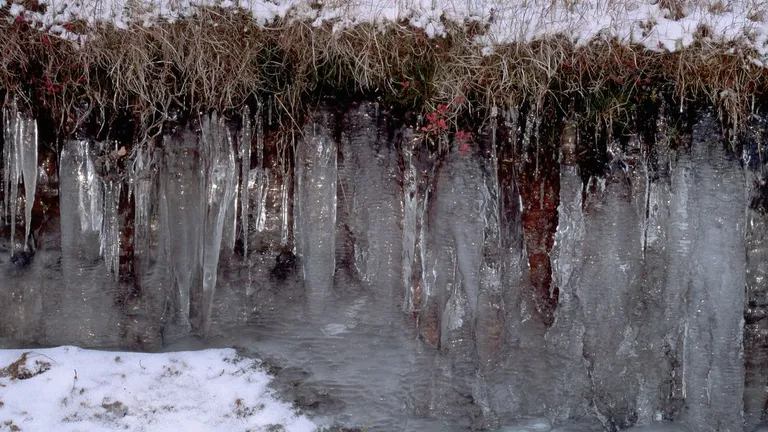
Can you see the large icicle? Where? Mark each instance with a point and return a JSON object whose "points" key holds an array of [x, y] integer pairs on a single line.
{"points": [[151, 267], [87, 287], [713, 374], [756, 304], [220, 177], [490, 309], [315, 208], [27, 148], [8, 125], [20, 160], [566, 336], [417, 184], [110, 230], [90, 193], [262, 176], [11, 172], [609, 287], [97, 202], [410, 216], [142, 189], [183, 195], [370, 204]]}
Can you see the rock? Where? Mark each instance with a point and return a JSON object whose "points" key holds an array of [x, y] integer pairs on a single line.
{"points": [[115, 409], [285, 265]]}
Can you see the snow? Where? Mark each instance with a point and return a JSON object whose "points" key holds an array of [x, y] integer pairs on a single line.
{"points": [[77, 390], [629, 21]]}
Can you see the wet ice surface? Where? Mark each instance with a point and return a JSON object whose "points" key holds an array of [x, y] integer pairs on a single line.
{"points": [[403, 306]]}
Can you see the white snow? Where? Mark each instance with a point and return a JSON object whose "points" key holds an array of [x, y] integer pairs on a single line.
{"points": [[631, 21], [84, 390]]}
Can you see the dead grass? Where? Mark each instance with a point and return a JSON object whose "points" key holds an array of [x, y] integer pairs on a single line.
{"points": [[220, 59], [21, 369]]}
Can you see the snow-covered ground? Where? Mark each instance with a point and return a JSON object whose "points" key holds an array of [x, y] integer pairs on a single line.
{"points": [[643, 22], [72, 389]]}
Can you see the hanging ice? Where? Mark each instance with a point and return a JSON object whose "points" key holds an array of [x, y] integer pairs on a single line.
{"points": [[417, 186], [141, 185], [713, 375], [410, 227], [370, 204], [262, 175], [315, 208], [284, 202], [199, 182], [566, 336], [20, 159], [182, 193], [110, 231], [220, 186], [97, 199], [246, 137]]}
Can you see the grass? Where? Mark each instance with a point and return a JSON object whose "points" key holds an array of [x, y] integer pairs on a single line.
{"points": [[221, 59]]}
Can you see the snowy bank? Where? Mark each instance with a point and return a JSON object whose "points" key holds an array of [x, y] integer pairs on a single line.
{"points": [[71, 389], [642, 22]]}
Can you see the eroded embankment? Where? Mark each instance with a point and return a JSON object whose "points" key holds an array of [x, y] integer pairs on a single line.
{"points": [[590, 215]]}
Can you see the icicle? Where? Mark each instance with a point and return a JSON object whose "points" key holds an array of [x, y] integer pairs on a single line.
{"points": [[9, 169], [315, 208], [220, 186], [141, 186], [96, 201], [15, 176], [284, 200], [490, 301], [261, 219], [230, 224], [20, 164], [284, 208], [7, 138], [110, 230], [262, 176], [246, 137], [181, 186], [91, 193], [27, 141], [410, 224]]}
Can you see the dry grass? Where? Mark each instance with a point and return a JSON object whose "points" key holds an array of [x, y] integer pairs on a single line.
{"points": [[219, 59]]}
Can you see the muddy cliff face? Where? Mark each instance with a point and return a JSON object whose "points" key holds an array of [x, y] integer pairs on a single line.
{"points": [[522, 277]]}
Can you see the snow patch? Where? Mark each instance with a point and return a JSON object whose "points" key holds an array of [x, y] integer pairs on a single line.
{"points": [[72, 389]]}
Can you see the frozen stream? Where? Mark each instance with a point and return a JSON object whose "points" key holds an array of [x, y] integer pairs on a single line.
{"points": [[389, 288]]}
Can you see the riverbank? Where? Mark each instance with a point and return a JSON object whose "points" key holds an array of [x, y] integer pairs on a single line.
{"points": [[140, 59]]}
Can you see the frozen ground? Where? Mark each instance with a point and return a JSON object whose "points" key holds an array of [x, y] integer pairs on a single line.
{"points": [[643, 22], [72, 389]]}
